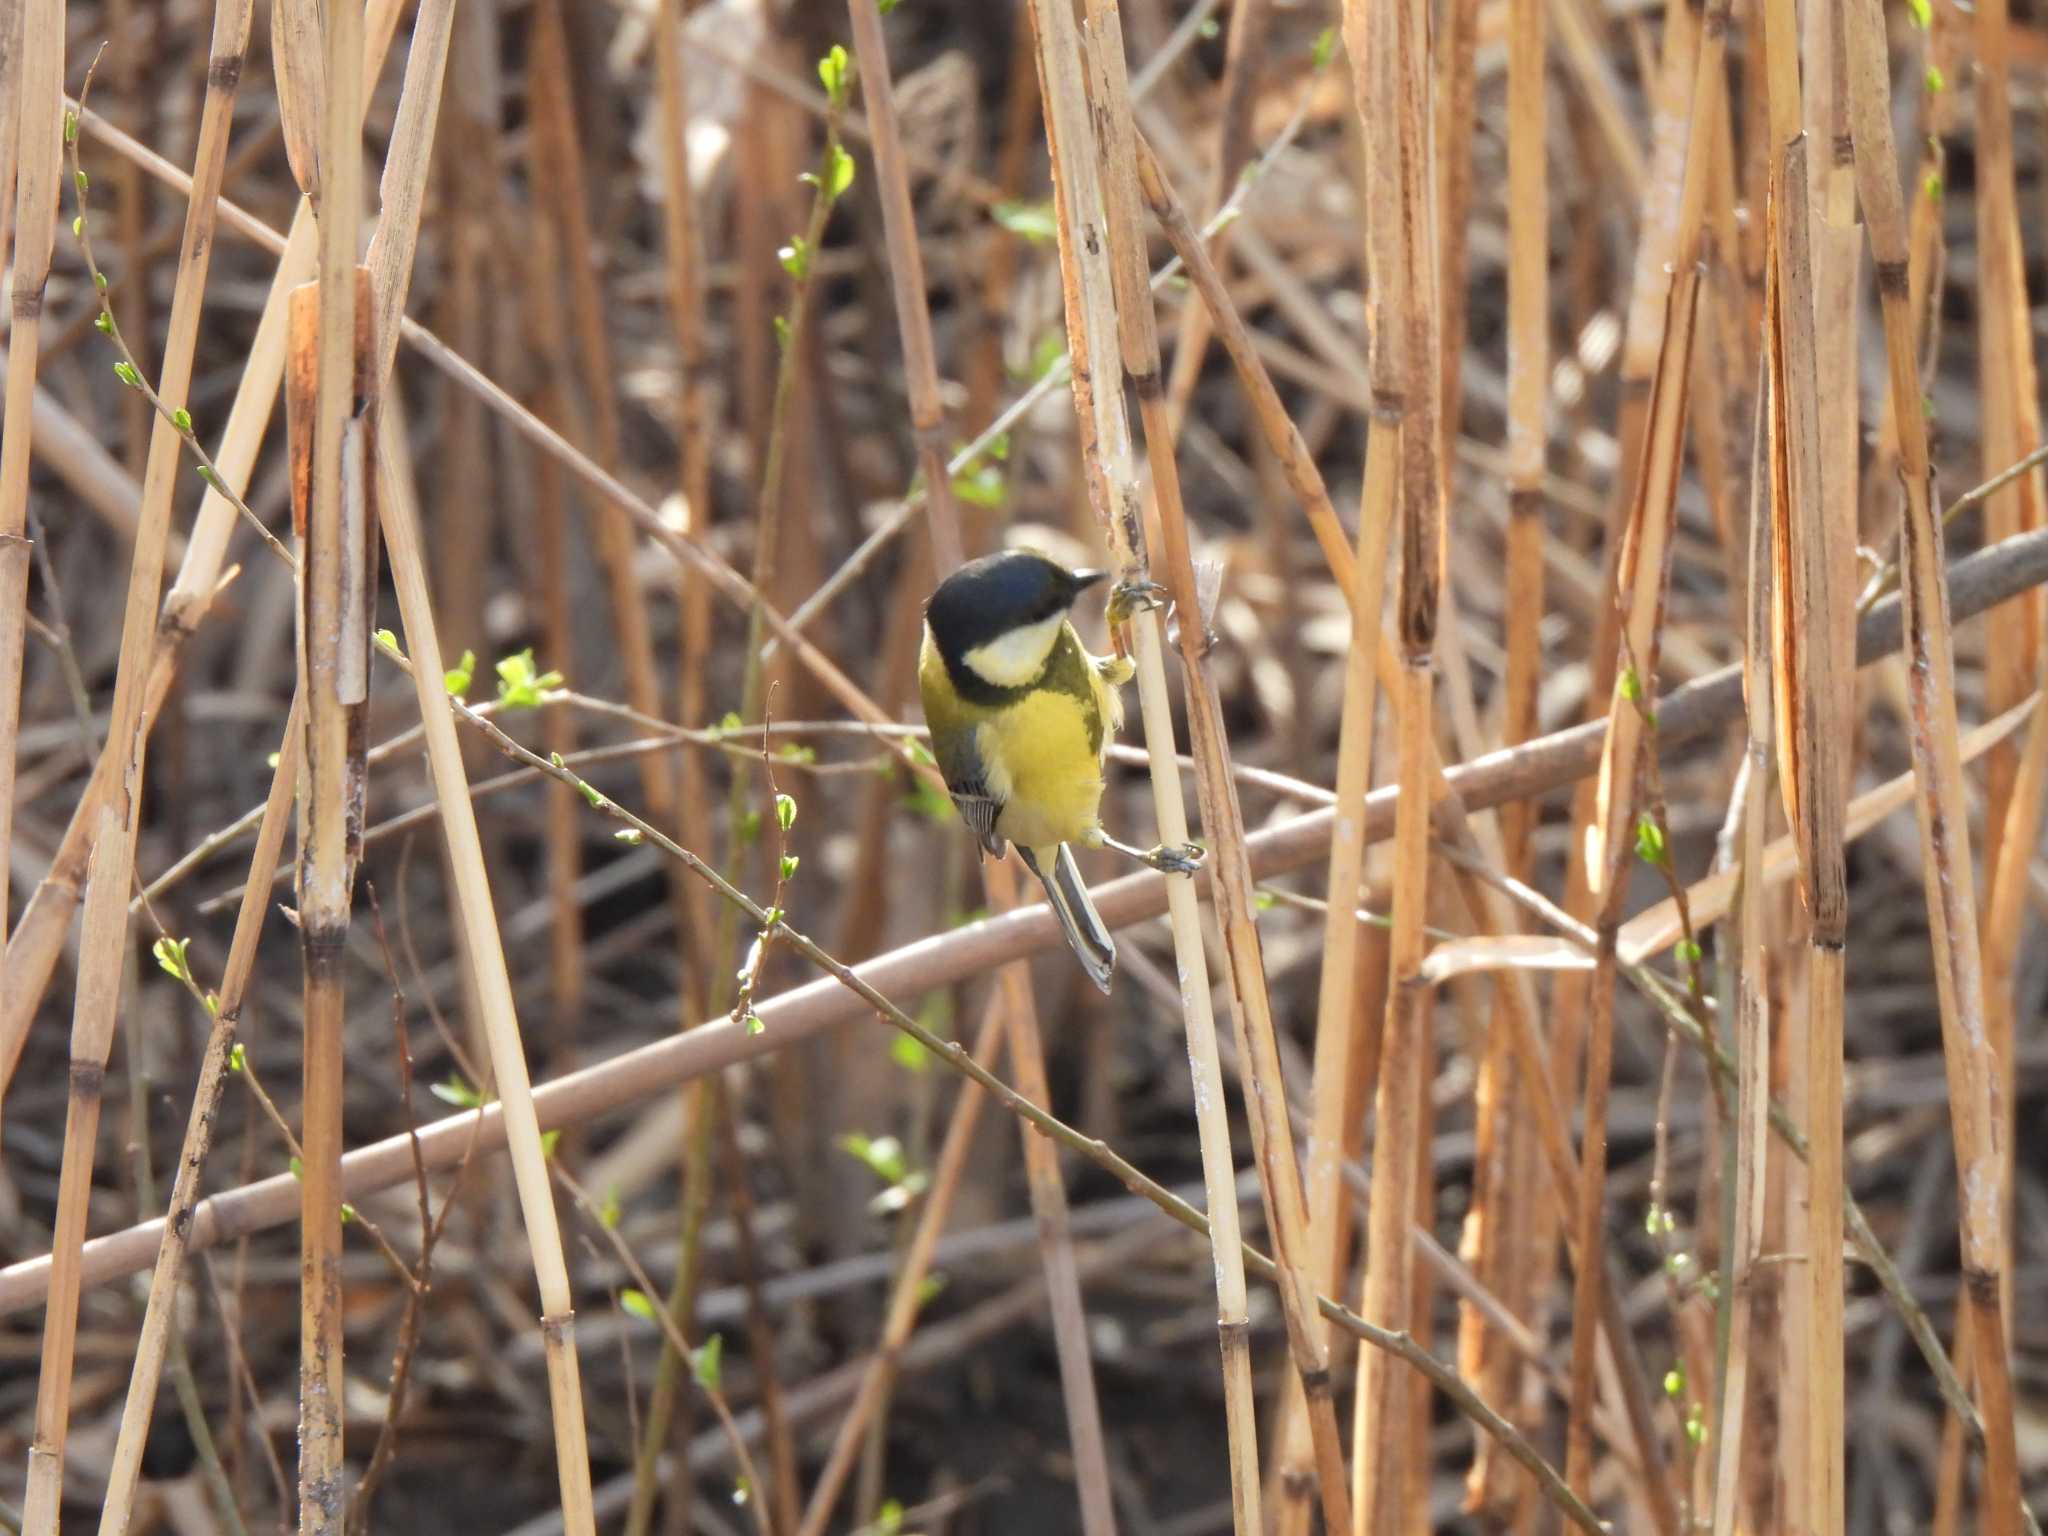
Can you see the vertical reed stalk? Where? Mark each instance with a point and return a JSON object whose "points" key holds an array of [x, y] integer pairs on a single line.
{"points": [[1749, 1197], [1088, 290], [1944, 829], [1116, 147], [159, 1314], [1496, 1227], [36, 58], [103, 944], [332, 447], [1390, 54], [1027, 1056]]}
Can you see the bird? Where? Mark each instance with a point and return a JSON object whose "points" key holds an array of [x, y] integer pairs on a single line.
{"points": [[1021, 716]]}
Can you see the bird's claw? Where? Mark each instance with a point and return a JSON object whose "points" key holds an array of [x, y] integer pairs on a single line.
{"points": [[1176, 858], [1129, 598]]}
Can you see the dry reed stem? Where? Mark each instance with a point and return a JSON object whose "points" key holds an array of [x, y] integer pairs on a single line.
{"points": [[1338, 1066], [1540, 767], [158, 1317], [1390, 52], [400, 526], [32, 950], [1750, 1121], [35, 54], [103, 945], [1222, 818], [1973, 1069], [2015, 636], [1088, 288], [1642, 584], [1810, 731], [331, 417], [1497, 1227]]}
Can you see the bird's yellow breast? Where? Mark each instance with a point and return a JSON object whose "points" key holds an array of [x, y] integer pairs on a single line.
{"points": [[1041, 751]]}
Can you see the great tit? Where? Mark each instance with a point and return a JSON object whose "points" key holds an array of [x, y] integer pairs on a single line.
{"points": [[1021, 717]]}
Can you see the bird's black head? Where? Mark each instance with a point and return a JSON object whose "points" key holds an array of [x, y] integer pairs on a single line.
{"points": [[988, 598]]}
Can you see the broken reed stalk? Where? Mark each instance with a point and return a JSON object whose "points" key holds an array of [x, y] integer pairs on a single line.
{"points": [[103, 944], [399, 523], [37, 55], [331, 419], [33, 948], [1088, 290], [159, 1312], [1115, 146], [1027, 1052], [1498, 1226], [1390, 53], [1811, 731], [1971, 1063]]}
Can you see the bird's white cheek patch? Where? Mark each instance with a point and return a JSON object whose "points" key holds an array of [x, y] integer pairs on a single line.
{"points": [[1011, 660]]}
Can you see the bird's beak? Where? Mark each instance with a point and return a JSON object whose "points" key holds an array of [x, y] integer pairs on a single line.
{"points": [[1083, 580]]}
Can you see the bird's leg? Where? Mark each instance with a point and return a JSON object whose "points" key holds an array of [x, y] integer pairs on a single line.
{"points": [[1167, 858]]}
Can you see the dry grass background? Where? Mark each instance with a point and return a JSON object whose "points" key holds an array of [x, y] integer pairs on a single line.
{"points": [[1561, 394]]}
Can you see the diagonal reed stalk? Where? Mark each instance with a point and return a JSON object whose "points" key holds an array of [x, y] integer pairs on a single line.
{"points": [[1108, 463], [1944, 828], [399, 522], [111, 870]]}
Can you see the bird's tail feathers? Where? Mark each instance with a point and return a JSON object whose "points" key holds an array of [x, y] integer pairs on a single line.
{"points": [[1087, 935]]}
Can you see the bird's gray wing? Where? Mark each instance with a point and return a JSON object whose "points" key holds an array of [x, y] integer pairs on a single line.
{"points": [[967, 781]]}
